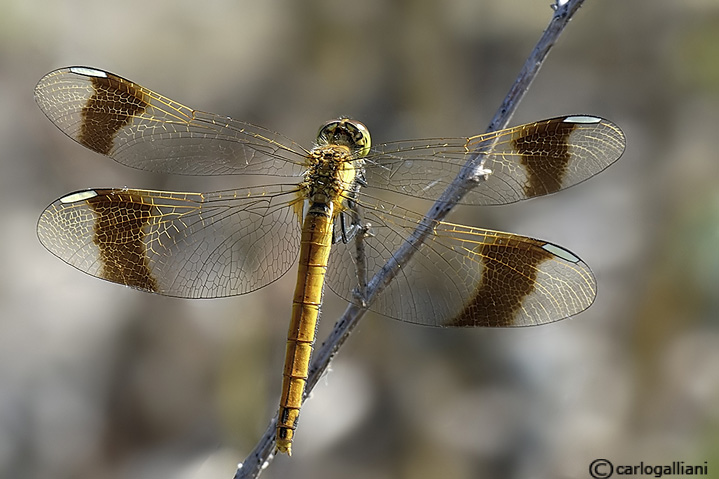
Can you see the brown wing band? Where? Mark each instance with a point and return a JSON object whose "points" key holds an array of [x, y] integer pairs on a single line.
{"points": [[119, 234], [110, 108], [509, 275], [545, 156]]}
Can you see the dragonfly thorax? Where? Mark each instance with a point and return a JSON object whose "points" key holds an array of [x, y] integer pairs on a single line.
{"points": [[332, 175]]}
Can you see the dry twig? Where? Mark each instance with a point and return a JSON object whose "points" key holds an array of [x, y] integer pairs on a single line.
{"points": [[260, 457]]}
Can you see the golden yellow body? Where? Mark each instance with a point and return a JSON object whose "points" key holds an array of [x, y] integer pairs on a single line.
{"points": [[315, 249]]}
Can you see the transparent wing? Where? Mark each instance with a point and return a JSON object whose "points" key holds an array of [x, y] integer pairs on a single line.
{"points": [[225, 243], [464, 276], [523, 162], [190, 245], [145, 130]]}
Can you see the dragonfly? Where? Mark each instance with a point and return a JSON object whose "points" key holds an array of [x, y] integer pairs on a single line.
{"points": [[319, 203]]}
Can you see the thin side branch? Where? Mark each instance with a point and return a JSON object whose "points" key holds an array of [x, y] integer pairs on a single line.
{"points": [[260, 457]]}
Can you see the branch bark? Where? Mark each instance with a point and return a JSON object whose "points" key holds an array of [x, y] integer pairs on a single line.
{"points": [[564, 10]]}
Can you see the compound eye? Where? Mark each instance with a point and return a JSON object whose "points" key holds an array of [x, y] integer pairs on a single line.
{"points": [[346, 132], [362, 139], [327, 132]]}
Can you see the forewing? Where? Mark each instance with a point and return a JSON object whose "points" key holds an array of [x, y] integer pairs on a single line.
{"points": [[463, 276], [521, 162], [143, 129], [189, 245]]}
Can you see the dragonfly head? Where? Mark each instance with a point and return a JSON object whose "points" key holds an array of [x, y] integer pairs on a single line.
{"points": [[346, 132]]}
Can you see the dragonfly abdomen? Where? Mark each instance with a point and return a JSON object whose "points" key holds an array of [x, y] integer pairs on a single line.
{"points": [[314, 253]]}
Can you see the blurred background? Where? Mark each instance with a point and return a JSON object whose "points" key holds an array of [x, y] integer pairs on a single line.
{"points": [[100, 381]]}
